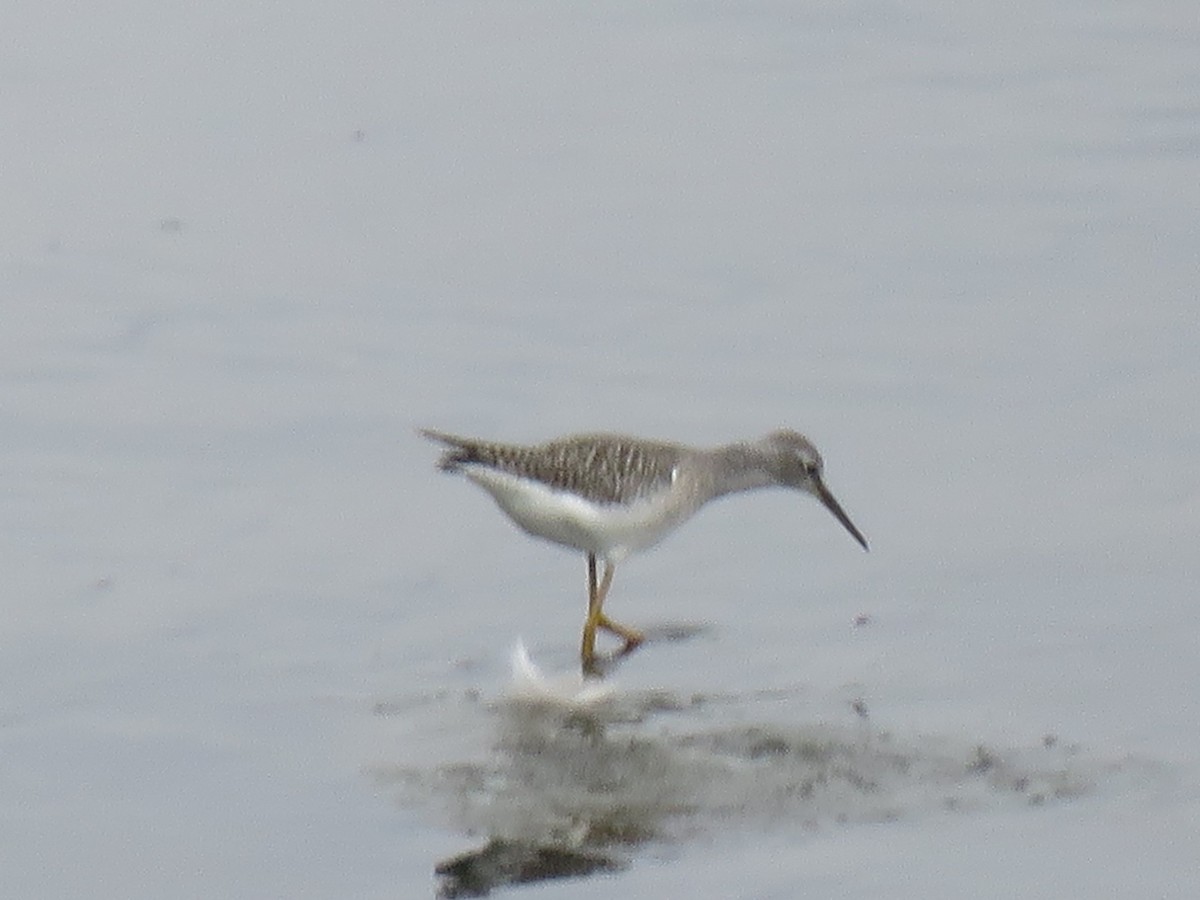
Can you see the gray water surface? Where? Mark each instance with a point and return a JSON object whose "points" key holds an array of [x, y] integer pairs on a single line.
{"points": [[254, 645]]}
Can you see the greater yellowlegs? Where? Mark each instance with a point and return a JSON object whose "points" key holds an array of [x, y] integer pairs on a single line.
{"points": [[609, 495]]}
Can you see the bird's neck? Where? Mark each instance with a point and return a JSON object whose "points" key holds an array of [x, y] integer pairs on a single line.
{"points": [[737, 468]]}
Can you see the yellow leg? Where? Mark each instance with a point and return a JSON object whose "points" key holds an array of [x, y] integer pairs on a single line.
{"points": [[597, 619], [631, 636], [587, 653]]}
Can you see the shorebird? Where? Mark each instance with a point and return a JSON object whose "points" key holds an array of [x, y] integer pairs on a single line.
{"points": [[610, 495]]}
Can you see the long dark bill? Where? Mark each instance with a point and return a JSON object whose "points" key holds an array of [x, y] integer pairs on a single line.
{"points": [[836, 508]]}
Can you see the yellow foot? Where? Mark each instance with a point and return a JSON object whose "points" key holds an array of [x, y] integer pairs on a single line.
{"points": [[596, 665], [632, 642]]}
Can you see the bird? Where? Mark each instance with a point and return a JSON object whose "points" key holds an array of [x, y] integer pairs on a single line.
{"points": [[610, 495]]}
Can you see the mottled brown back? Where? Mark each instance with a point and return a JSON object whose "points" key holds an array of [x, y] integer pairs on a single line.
{"points": [[607, 468]]}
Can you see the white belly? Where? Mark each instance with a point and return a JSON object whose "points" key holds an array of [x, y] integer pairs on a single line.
{"points": [[610, 531]]}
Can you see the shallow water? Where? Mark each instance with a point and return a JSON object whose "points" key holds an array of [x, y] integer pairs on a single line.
{"points": [[255, 645], [609, 781]]}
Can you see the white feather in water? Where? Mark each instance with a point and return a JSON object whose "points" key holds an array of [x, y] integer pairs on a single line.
{"points": [[529, 683]]}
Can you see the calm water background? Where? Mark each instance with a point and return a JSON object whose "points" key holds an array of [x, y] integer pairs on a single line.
{"points": [[247, 249]]}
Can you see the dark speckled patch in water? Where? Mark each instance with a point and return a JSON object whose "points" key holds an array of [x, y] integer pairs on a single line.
{"points": [[565, 793], [499, 862]]}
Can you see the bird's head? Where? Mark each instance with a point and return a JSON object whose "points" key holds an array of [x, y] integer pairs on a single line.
{"points": [[794, 462]]}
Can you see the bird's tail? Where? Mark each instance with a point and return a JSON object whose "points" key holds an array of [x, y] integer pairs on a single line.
{"points": [[461, 450]]}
